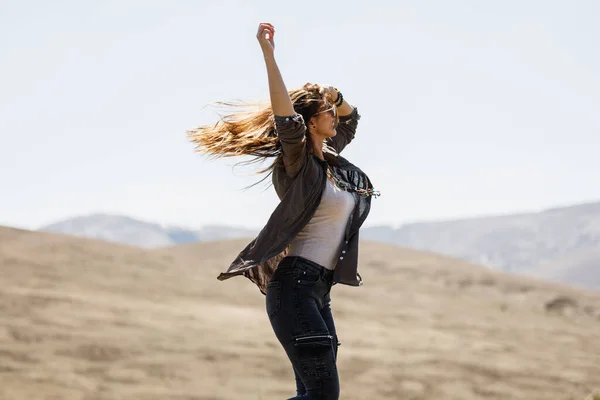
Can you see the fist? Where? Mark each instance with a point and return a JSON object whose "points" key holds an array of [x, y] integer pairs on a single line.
{"points": [[265, 35], [330, 92]]}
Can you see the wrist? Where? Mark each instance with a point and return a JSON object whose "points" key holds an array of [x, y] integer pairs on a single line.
{"points": [[269, 56], [339, 101], [333, 95]]}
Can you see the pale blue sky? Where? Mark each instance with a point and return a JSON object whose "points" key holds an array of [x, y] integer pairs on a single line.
{"points": [[468, 107]]}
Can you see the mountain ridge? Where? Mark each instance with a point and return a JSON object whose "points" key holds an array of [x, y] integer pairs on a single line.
{"points": [[524, 243], [121, 228]]}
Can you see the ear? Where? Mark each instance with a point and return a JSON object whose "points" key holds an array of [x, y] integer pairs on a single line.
{"points": [[312, 123]]}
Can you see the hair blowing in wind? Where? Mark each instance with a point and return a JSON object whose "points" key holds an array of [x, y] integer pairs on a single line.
{"points": [[251, 133]]}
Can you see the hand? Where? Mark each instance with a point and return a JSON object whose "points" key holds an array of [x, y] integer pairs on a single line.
{"points": [[265, 35], [326, 90], [330, 92]]}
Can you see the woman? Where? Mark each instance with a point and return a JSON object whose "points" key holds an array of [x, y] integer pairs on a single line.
{"points": [[311, 239]]}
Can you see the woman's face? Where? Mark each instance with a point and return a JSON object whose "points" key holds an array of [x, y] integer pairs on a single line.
{"points": [[324, 123]]}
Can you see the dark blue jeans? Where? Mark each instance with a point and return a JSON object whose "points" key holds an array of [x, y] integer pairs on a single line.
{"points": [[298, 306]]}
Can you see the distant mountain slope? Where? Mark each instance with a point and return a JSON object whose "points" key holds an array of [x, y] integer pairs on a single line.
{"points": [[115, 228], [580, 268], [126, 230], [515, 243], [541, 244]]}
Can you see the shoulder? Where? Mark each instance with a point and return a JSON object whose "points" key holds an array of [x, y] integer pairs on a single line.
{"points": [[309, 173]]}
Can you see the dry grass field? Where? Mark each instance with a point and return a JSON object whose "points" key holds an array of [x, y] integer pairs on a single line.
{"points": [[88, 320]]}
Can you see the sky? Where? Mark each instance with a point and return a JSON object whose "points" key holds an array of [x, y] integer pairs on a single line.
{"points": [[468, 108]]}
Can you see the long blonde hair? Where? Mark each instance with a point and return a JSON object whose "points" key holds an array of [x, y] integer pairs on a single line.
{"points": [[252, 132]]}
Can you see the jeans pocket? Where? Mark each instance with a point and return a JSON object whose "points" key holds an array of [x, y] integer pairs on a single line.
{"points": [[305, 278], [316, 356], [273, 298]]}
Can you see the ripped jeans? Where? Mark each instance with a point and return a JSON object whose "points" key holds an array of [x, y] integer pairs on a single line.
{"points": [[298, 306]]}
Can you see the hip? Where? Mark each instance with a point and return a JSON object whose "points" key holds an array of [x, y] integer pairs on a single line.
{"points": [[298, 280]]}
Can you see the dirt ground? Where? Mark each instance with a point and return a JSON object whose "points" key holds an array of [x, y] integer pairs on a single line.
{"points": [[88, 320]]}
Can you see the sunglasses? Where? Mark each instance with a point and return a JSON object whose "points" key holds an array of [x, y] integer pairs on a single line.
{"points": [[332, 111]]}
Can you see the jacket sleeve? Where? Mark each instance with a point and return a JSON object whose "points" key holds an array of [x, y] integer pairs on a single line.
{"points": [[346, 130], [291, 132]]}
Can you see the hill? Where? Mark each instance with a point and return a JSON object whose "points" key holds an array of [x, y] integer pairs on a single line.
{"points": [[86, 319], [127, 230], [579, 268], [519, 243], [526, 243]]}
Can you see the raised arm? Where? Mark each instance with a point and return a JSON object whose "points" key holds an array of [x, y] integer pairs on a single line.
{"points": [[348, 120], [280, 99], [289, 126]]}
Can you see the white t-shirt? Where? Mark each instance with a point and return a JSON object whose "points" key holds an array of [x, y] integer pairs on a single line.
{"points": [[321, 238]]}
